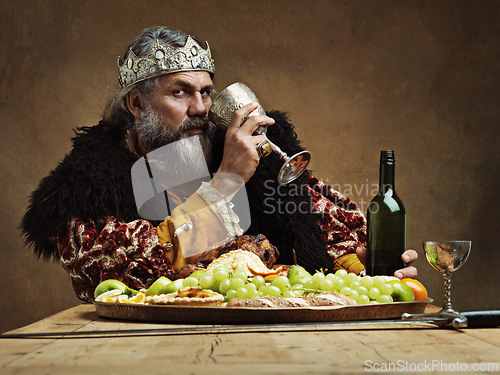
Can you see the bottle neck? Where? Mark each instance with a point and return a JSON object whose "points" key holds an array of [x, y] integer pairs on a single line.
{"points": [[387, 171]]}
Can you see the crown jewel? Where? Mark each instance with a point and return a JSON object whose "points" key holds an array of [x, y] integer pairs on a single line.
{"points": [[162, 59]]}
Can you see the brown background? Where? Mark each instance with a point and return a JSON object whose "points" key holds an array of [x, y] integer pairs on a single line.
{"points": [[419, 77]]}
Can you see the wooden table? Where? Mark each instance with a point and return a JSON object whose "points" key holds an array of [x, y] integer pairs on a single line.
{"points": [[103, 346]]}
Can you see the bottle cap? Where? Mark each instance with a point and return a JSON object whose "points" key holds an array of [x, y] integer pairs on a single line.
{"points": [[387, 157]]}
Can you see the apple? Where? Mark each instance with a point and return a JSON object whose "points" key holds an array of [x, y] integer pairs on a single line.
{"points": [[171, 287], [401, 292], [112, 284], [155, 287]]}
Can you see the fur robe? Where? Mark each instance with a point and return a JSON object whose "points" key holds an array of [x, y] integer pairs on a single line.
{"points": [[93, 182]]}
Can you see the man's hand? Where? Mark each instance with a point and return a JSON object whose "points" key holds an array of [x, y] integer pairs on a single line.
{"points": [[409, 256], [240, 147]]}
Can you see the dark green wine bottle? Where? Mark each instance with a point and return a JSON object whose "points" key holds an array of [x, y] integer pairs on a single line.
{"points": [[386, 227]]}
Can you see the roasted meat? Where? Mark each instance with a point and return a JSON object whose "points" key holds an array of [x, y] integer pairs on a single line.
{"points": [[259, 245]]}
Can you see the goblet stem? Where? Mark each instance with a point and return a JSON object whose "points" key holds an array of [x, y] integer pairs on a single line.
{"points": [[276, 149], [447, 291]]}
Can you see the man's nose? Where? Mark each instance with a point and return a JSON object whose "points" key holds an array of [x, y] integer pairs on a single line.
{"points": [[198, 106]]}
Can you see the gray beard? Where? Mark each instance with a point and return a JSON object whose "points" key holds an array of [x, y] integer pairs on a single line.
{"points": [[153, 134]]}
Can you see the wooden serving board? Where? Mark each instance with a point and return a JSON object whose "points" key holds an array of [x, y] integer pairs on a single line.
{"points": [[247, 315]]}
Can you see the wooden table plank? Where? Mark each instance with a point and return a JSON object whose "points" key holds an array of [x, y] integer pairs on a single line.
{"points": [[67, 320], [332, 350], [320, 349], [490, 336]]}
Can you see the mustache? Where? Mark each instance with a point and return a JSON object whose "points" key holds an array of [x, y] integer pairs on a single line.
{"points": [[196, 123]]}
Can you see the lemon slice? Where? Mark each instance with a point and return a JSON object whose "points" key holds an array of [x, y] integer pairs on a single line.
{"points": [[138, 298]]}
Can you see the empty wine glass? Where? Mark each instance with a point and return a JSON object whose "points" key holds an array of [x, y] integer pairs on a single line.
{"points": [[445, 257], [236, 96]]}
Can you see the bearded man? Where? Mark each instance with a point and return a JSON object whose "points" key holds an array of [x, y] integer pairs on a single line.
{"points": [[84, 212]]}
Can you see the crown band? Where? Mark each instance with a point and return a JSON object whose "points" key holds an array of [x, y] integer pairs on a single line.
{"points": [[163, 59]]}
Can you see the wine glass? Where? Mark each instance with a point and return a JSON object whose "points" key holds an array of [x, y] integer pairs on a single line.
{"points": [[236, 96], [446, 257]]}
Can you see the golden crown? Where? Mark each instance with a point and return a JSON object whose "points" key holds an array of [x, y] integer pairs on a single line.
{"points": [[162, 59]]}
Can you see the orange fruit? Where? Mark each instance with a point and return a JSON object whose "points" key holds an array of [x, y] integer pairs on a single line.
{"points": [[417, 288]]}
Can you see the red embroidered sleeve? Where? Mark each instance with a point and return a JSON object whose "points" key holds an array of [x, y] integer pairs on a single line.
{"points": [[342, 223], [129, 252]]}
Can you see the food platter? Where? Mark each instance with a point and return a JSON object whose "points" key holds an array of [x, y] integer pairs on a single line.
{"points": [[249, 315]]}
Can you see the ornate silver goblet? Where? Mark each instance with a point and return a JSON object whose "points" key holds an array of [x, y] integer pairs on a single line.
{"points": [[446, 257], [236, 96]]}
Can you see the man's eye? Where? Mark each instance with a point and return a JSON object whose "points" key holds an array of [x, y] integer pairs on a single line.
{"points": [[206, 92], [179, 92]]}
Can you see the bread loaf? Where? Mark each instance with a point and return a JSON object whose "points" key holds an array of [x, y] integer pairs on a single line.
{"points": [[323, 299]]}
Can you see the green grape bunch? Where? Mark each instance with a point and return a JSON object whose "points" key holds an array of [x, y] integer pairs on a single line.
{"points": [[238, 284]]}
